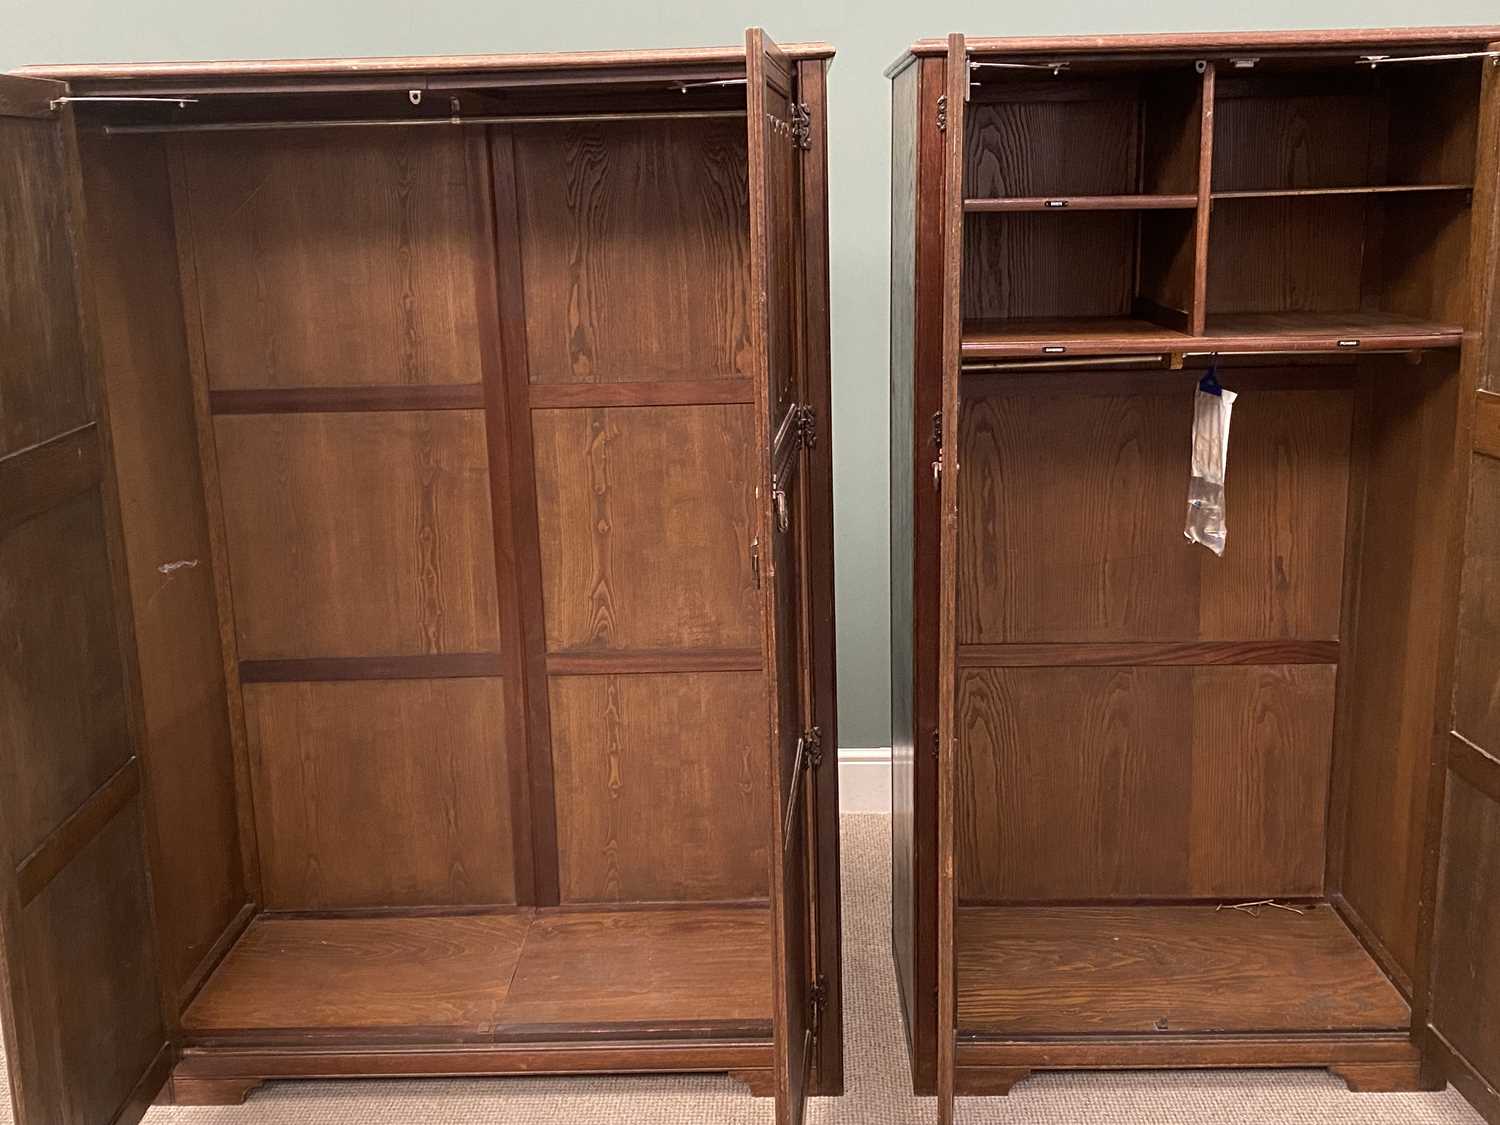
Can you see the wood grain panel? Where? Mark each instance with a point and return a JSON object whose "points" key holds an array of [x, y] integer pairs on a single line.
{"points": [[1150, 969], [1069, 783], [1297, 141], [199, 883], [1301, 254], [1262, 745], [1072, 510], [342, 258], [644, 967], [64, 721], [645, 519], [1072, 782], [92, 1023], [635, 242], [359, 534], [43, 385], [1054, 145], [1286, 497], [1388, 682], [322, 974], [393, 793], [1476, 671], [1043, 265], [658, 796], [1465, 999]]}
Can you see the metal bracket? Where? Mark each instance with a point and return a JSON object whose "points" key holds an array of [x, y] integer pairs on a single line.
{"points": [[57, 103], [1372, 61], [942, 113], [801, 125], [1055, 67], [778, 500]]}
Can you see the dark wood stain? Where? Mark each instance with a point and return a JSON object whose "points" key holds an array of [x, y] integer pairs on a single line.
{"points": [[1277, 971]]}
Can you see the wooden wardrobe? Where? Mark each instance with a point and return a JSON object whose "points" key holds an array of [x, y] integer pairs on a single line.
{"points": [[1154, 807], [416, 569]]}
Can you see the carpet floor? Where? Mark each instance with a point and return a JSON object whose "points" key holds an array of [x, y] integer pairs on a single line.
{"points": [[879, 1091]]}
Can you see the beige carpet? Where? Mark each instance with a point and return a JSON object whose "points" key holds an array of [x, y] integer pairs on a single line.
{"points": [[878, 1090]]}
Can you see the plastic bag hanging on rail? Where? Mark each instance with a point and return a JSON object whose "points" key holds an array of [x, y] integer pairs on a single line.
{"points": [[1212, 407]]}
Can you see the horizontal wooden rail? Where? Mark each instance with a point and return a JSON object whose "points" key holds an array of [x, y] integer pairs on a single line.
{"points": [[429, 666], [1147, 653]]}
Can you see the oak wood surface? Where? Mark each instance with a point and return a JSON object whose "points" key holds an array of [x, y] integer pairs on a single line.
{"points": [[199, 881], [304, 974], [1096, 479], [63, 704], [336, 553], [337, 260], [381, 793], [1465, 980], [1476, 701], [643, 545], [488, 977], [44, 378], [1388, 679], [627, 748], [614, 292], [644, 966], [1176, 969], [412, 64], [1126, 783]]}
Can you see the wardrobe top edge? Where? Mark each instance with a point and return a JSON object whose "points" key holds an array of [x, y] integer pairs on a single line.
{"points": [[415, 65], [1427, 38]]}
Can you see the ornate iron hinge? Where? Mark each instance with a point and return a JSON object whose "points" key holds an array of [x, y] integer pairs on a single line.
{"points": [[807, 426], [812, 748], [942, 116], [818, 1001], [937, 444], [801, 125]]}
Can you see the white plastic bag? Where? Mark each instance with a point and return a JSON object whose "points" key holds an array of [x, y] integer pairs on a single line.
{"points": [[1212, 407]]}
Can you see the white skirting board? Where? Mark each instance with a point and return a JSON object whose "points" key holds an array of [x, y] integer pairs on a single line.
{"points": [[865, 779]]}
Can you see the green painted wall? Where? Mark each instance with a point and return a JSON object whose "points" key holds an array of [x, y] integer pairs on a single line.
{"points": [[868, 36]]}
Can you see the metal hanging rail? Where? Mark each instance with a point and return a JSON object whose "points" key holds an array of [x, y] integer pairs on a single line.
{"points": [[1373, 61], [372, 123]]}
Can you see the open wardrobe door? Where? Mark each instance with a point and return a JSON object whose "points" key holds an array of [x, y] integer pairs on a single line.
{"points": [[1463, 1002], [776, 124], [79, 997], [951, 121]]}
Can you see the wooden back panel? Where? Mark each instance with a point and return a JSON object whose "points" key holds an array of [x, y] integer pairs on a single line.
{"points": [[626, 245], [334, 287], [1106, 659]]}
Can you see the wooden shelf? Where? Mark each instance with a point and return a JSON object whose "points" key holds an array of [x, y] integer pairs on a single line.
{"points": [[1312, 331], [1094, 335], [1243, 332], [1027, 971], [1065, 203], [1386, 189], [492, 977]]}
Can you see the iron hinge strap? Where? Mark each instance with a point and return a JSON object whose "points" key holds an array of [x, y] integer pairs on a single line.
{"points": [[807, 426], [812, 743], [801, 125]]}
